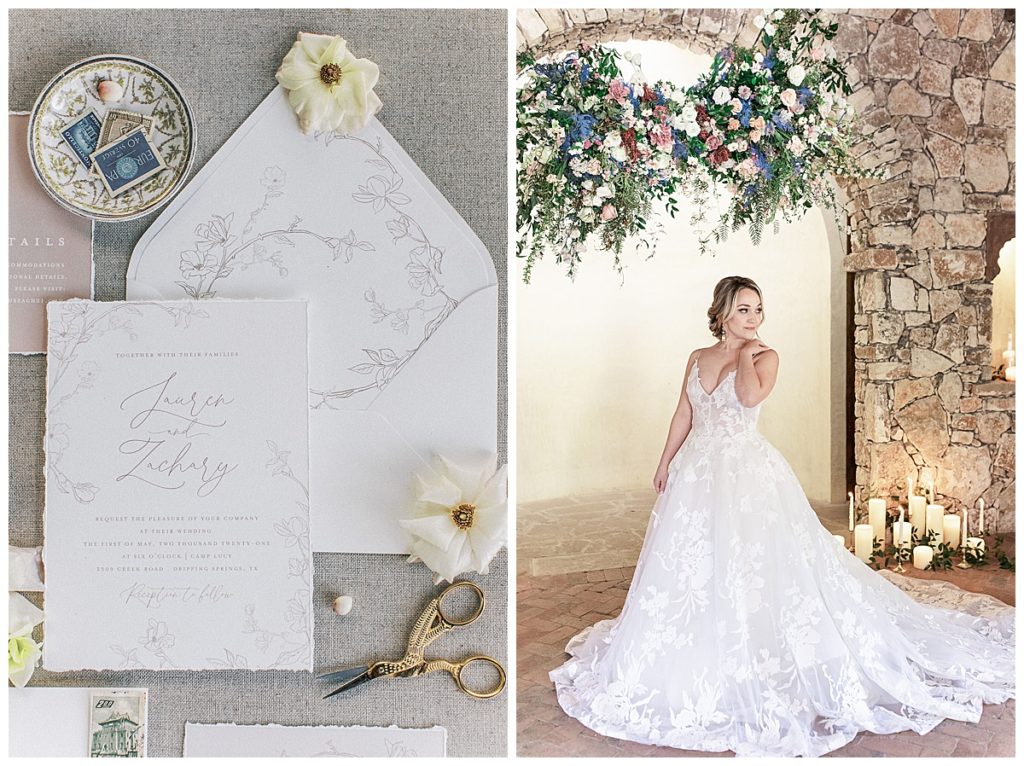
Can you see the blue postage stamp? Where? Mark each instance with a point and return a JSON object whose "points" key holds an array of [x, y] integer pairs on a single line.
{"points": [[81, 135], [127, 161]]}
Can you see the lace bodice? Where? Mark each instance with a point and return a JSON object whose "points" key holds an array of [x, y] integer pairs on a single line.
{"points": [[719, 413]]}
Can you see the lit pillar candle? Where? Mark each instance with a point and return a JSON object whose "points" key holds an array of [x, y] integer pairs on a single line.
{"points": [[918, 514], [850, 495], [1011, 373], [951, 530], [876, 518], [981, 516], [922, 556], [1009, 357], [863, 536], [934, 523], [901, 532], [910, 486]]}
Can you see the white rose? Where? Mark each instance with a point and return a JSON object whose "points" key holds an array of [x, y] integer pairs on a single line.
{"points": [[778, 15], [613, 139], [796, 74], [545, 154], [689, 113], [769, 30], [618, 154], [796, 145], [691, 129], [587, 215], [721, 95], [604, 192], [759, 21]]}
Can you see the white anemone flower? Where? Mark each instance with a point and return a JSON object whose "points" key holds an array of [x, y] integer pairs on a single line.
{"points": [[461, 519], [328, 87], [23, 653]]}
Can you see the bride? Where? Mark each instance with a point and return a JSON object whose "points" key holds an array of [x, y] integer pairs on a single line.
{"points": [[746, 627]]}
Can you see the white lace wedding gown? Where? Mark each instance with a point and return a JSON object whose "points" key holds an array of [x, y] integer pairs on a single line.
{"points": [[747, 628]]}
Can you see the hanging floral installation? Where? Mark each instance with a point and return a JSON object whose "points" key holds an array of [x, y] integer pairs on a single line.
{"points": [[596, 151]]}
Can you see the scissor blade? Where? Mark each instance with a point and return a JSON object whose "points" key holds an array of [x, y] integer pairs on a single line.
{"points": [[346, 678]]}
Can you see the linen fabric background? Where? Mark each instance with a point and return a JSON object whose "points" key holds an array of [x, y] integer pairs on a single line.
{"points": [[443, 84]]}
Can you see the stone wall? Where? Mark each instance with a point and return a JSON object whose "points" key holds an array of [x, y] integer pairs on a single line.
{"points": [[936, 91]]}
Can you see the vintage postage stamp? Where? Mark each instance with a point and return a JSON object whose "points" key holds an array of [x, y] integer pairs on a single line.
{"points": [[118, 122], [117, 723], [127, 161], [82, 135]]}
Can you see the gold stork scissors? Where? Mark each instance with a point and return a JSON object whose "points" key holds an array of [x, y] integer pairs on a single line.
{"points": [[430, 625]]}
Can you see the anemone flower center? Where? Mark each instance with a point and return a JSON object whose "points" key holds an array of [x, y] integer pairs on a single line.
{"points": [[330, 74], [462, 515]]}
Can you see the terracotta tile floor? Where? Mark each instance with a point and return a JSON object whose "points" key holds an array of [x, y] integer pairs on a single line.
{"points": [[553, 607]]}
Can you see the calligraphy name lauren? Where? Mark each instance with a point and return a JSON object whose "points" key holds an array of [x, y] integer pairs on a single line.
{"points": [[173, 420]]}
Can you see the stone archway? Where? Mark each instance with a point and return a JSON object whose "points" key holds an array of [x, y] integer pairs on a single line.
{"points": [[936, 92]]}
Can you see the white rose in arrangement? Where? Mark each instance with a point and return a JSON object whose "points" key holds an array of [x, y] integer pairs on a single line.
{"points": [[759, 21], [604, 192], [778, 15], [588, 185], [769, 30], [796, 146], [587, 214], [788, 97], [546, 153], [796, 74], [721, 95], [613, 139]]}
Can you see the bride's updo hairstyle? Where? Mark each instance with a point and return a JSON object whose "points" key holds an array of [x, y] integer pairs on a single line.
{"points": [[723, 302]]}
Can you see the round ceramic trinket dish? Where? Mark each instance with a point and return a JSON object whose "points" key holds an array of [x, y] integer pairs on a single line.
{"points": [[144, 91]]}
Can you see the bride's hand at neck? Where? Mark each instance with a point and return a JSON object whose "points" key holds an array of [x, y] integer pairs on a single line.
{"points": [[755, 379]]}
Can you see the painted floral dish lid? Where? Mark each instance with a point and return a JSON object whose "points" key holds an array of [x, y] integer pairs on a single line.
{"points": [[146, 91]]}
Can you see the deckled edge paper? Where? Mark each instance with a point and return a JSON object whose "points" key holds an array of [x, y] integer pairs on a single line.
{"points": [[214, 740]]}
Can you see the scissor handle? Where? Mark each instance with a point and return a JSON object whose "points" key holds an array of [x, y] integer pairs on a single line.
{"points": [[456, 668], [451, 589]]}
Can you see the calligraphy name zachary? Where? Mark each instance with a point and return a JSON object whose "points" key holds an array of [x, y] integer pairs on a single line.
{"points": [[164, 461]]}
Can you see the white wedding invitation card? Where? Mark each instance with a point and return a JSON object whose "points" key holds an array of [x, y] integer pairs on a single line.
{"points": [[403, 305], [235, 741], [177, 525]]}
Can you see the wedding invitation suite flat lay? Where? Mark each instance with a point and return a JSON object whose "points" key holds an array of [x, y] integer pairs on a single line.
{"points": [[235, 741], [402, 305], [176, 525], [49, 249]]}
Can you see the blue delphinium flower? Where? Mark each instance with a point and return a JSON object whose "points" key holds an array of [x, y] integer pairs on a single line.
{"points": [[761, 161], [582, 127], [745, 114], [769, 59], [781, 121], [680, 150], [803, 94], [584, 74]]}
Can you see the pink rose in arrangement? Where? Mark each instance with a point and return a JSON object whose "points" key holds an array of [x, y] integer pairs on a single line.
{"points": [[747, 168], [618, 91], [661, 136], [755, 136], [608, 212], [737, 106], [788, 97], [757, 123], [797, 108], [733, 124], [744, 92], [796, 145], [818, 54], [713, 143]]}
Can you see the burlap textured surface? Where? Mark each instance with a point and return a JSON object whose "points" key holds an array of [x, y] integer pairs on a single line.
{"points": [[443, 84]]}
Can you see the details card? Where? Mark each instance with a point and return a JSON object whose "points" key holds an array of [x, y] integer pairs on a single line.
{"points": [[177, 490], [49, 249]]}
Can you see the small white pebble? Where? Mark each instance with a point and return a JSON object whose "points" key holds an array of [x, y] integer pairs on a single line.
{"points": [[343, 605], [109, 91]]}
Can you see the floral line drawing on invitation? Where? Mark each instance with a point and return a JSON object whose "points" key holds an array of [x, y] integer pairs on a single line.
{"points": [[156, 642], [77, 326], [383, 192], [294, 530], [218, 251]]}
